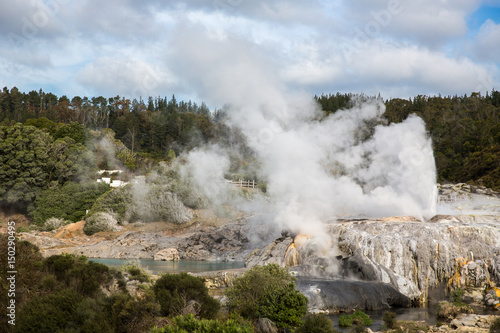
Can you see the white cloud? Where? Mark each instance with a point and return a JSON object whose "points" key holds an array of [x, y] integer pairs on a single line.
{"points": [[124, 77], [487, 43], [398, 47], [428, 22]]}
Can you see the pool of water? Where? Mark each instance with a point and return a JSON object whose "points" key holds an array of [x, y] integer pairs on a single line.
{"points": [[427, 316], [158, 267]]}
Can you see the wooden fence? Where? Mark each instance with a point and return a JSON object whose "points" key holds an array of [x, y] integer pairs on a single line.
{"points": [[242, 183]]}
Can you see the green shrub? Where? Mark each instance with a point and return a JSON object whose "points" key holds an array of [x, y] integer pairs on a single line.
{"points": [[64, 311], [457, 296], [22, 229], [389, 319], [189, 324], [283, 305], [77, 273], [495, 326], [130, 314], [183, 294], [267, 291], [69, 202], [157, 203], [319, 323], [357, 316], [136, 273], [248, 290], [99, 222], [358, 327], [116, 201]]}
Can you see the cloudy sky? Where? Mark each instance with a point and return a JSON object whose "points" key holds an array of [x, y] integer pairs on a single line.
{"points": [[200, 50]]}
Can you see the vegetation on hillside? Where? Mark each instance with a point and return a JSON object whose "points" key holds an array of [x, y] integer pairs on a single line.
{"points": [[69, 293]]}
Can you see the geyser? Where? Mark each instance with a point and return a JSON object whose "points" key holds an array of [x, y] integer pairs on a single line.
{"points": [[350, 164]]}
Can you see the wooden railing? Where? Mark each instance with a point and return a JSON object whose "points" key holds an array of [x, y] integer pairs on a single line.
{"points": [[243, 183]]}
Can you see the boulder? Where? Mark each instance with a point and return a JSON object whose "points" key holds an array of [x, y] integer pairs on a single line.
{"points": [[169, 254], [492, 298]]}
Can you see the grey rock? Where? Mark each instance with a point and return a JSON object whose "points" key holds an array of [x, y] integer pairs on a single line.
{"points": [[169, 254]]}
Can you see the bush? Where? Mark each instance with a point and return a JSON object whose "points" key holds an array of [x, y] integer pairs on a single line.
{"points": [[136, 273], [357, 316], [495, 326], [457, 296], [23, 229], [131, 314], [69, 202], [99, 222], [184, 294], [116, 201], [389, 319], [54, 223], [158, 204], [319, 323], [77, 273], [267, 291], [359, 327], [450, 310], [61, 312], [285, 306], [190, 324]]}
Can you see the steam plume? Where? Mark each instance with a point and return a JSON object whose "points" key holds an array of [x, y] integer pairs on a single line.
{"points": [[350, 164]]}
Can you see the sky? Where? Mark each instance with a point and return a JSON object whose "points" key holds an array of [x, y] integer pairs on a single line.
{"points": [[201, 50]]}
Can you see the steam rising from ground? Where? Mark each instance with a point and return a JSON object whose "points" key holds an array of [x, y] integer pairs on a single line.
{"points": [[348, 165]]}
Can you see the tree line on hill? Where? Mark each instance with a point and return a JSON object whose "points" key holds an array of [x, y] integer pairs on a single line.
{"points": [[465, 130]]}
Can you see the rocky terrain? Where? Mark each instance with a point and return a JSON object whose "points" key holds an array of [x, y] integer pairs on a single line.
{"points": [[415, 257], [403, 258]]}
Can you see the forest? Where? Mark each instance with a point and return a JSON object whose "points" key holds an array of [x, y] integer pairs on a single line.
{"points": [[48, 142]]}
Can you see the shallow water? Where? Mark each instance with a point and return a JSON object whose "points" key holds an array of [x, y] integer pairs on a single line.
{"points": [[158, 267], [427, 316]]}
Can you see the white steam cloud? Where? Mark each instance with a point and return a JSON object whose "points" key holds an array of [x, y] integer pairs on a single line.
{"points": [[347, 165], [350, 164]]}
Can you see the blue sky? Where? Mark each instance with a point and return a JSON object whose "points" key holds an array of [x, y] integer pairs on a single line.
{"points": [[218, 50], [483, 13]]}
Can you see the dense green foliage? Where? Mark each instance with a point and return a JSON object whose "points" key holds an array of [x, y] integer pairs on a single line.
{"points": [[117, 201], [267, 292], [189, 324], [283, 305], [132, 314], [154, 126], [63, 311], [68, 202], [317, 323], [64, 293], [183, 293], [358, 316], [31, 161]]}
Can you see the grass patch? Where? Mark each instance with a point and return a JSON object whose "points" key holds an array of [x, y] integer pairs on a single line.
{"points": [[357, 317]]}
